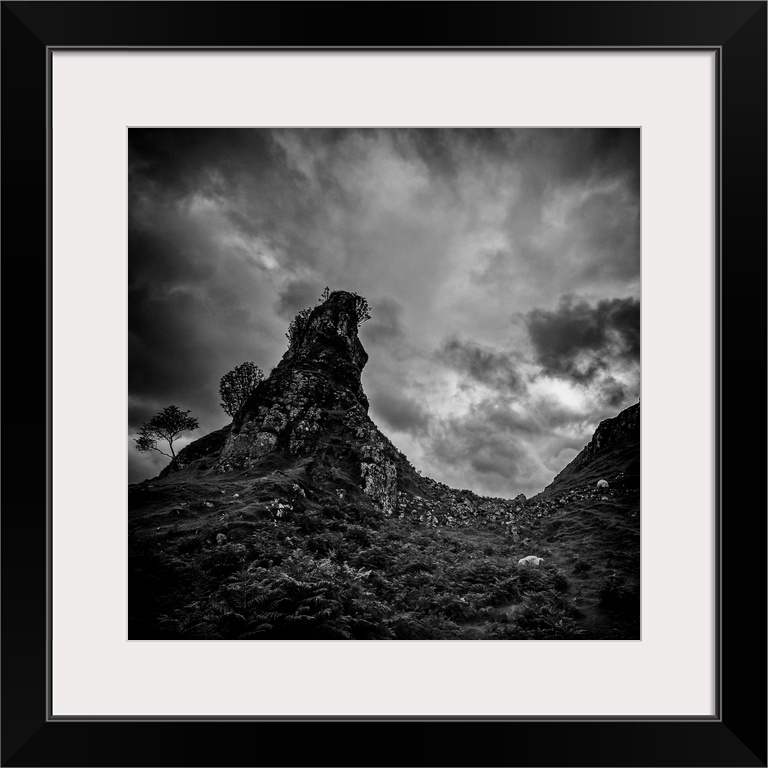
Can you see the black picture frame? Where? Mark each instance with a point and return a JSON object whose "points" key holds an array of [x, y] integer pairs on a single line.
{"points": [[736, 736]]}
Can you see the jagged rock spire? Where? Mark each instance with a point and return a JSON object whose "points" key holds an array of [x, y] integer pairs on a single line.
{"points": [[327, 343], [313, 403]]}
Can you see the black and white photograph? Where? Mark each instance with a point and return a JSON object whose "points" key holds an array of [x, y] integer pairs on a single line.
{"points": [[369, 288], [384, 383]]}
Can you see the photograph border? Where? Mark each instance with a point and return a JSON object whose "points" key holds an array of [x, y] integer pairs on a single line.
{"points": [[736, 32]]}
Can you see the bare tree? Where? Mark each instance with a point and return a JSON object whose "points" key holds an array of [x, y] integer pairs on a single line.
{"points": [[166, 425]]}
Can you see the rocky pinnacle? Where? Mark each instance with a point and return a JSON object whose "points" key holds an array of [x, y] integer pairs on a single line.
{"points": [[313, 405]]}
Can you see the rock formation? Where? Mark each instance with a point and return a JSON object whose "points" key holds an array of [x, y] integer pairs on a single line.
{"points": [[313, 406], [312, 413]]}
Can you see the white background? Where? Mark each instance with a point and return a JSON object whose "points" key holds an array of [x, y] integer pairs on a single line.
{"points": [[96, 670]]}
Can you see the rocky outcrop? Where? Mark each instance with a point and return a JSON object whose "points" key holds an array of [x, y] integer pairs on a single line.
{"points": [[203, 450], [613, 453], [312, 405], [311, 413], [319, 376]]}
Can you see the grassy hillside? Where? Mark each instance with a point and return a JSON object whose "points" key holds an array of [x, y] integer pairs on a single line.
{"points": [[269, 554], [613, 454]]}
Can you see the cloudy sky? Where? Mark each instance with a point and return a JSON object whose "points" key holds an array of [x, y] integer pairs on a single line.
{"points": [[502, 268]]}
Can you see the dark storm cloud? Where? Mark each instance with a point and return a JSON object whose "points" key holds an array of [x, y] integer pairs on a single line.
{"points": [[578, 340], [487, 447], [484, 365], [557, 417], [385, 323], [445, 152], [500, 415], [399, 412], [613, 392], [576, 222], [246, 177], [595, 153], [185, 160], [297, 295]]}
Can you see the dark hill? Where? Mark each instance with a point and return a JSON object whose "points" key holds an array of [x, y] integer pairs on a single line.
{"points": [[613, 454], [301, 520]]}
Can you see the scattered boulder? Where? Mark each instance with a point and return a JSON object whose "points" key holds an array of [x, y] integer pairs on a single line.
{"points": [[602, 483], [531, 561]]}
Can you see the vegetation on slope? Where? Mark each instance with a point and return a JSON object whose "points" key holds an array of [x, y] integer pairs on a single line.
{"points": [[269, 555]]}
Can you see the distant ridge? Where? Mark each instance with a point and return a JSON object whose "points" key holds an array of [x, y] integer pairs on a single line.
{"points": [[613, 454]]}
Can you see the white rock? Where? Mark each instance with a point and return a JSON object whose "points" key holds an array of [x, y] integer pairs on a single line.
{"points": [[530, 561], [602, 483]]}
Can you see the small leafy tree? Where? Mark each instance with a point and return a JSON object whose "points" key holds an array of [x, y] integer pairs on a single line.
{"points": [[362, 310], [362, 313], [167, 425], [237, 385], [297, 324]]}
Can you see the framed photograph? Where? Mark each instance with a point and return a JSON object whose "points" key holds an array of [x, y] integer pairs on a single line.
{"points": [[380, 298]]}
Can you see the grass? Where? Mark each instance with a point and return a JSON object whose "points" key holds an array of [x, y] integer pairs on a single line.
{"points": [[271, 556]]}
